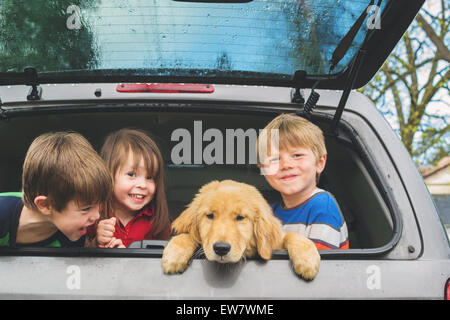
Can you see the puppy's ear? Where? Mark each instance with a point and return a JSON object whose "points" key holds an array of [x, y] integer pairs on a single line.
{"points": [[267, 229], [268, 235], [187, 222]]}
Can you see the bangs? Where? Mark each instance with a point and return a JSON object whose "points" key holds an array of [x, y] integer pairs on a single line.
{"points": [[89, 181], [149, 157], [290, 131], [291, 137], [91, 188], [277, 139], [122, 144], [75, 172], [124, 149]]}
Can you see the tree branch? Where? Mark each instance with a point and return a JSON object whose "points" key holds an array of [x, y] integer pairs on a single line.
{"points": [[442, 51], [431, 89]]}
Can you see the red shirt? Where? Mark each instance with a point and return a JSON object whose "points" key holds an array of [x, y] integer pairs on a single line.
{"points": [[137, 229]]}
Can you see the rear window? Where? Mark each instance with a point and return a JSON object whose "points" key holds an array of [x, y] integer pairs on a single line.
{"points": [[271, 39]]}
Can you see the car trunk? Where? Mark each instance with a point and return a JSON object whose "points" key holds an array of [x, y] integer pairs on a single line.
{"points": [[354, 174]]}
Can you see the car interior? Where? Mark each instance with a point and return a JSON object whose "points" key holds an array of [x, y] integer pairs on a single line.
{"points": [[347, 177]]}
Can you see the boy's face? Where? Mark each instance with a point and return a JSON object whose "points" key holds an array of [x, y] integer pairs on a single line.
{"points": [[293, 172], [75, 218]]}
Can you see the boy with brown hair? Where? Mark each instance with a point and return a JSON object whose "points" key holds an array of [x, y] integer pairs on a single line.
{"points": [[64, 180], [292, 163]]}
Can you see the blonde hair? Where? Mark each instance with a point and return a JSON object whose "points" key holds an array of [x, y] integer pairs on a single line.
{"points": [[115, 151], [63, 166], [292, 132]]}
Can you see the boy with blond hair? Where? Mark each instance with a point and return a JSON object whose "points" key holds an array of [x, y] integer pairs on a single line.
{"points": [[64, 180], [292, 163]]}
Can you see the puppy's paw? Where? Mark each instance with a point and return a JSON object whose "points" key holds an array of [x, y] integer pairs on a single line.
{"points": [[172, 265], [304, 255], [177, 254], [307, 265]]}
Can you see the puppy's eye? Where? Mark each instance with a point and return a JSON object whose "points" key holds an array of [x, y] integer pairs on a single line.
{"points": [[239, 217], [210, 216]]}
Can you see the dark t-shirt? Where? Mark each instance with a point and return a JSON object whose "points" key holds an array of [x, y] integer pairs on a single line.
{"points": [[10, 210]]}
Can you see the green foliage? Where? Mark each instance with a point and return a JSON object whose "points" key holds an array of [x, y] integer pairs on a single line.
{"points": [[34, 33]]}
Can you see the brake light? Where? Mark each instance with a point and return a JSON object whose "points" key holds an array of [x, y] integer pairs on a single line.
{"points": [[447, 290], [164, 88]]}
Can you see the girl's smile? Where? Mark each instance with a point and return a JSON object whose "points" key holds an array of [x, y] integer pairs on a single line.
{"points": [[134, 188]]}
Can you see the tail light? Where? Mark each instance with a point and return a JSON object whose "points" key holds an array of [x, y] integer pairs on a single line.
{"points": [[447, 290], [164, 88]]}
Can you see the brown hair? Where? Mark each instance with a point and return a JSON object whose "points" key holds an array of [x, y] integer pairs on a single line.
{"points": [[63, 166], [115, 152]]}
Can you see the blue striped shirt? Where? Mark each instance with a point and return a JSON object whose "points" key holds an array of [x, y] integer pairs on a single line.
{"points": [[318, 219]]}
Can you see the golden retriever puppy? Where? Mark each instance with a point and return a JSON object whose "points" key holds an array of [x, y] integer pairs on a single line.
{"points": [[232, 220]]}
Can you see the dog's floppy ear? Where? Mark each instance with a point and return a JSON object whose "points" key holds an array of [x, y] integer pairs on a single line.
{"points": [[187, 221], [267, 229]]}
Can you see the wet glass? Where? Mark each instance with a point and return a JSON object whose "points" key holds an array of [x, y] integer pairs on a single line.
{"points": [[269, 39]]}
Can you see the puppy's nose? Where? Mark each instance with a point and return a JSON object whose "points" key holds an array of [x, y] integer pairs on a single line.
{"points": [[221, 248]]}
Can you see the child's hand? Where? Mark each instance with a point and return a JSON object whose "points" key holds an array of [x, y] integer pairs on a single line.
{"points": [[115, 243], [105, 231]]}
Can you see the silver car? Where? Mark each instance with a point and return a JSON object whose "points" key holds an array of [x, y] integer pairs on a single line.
{"points": [[186, 70]]}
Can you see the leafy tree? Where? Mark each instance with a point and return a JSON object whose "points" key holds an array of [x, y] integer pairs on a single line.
{"points": [[413, 80], [35, 33]]}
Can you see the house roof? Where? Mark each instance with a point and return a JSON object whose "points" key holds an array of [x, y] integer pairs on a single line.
{"points": [[442, 164]]}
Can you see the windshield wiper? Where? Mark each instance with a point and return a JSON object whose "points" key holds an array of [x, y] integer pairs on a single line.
{"points": [[340, 51], [347, 40]]}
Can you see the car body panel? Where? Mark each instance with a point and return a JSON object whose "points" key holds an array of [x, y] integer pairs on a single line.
{"points": [[142, 278]]}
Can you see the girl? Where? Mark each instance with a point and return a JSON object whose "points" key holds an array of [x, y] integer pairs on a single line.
{"points": [[138, 209]]}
